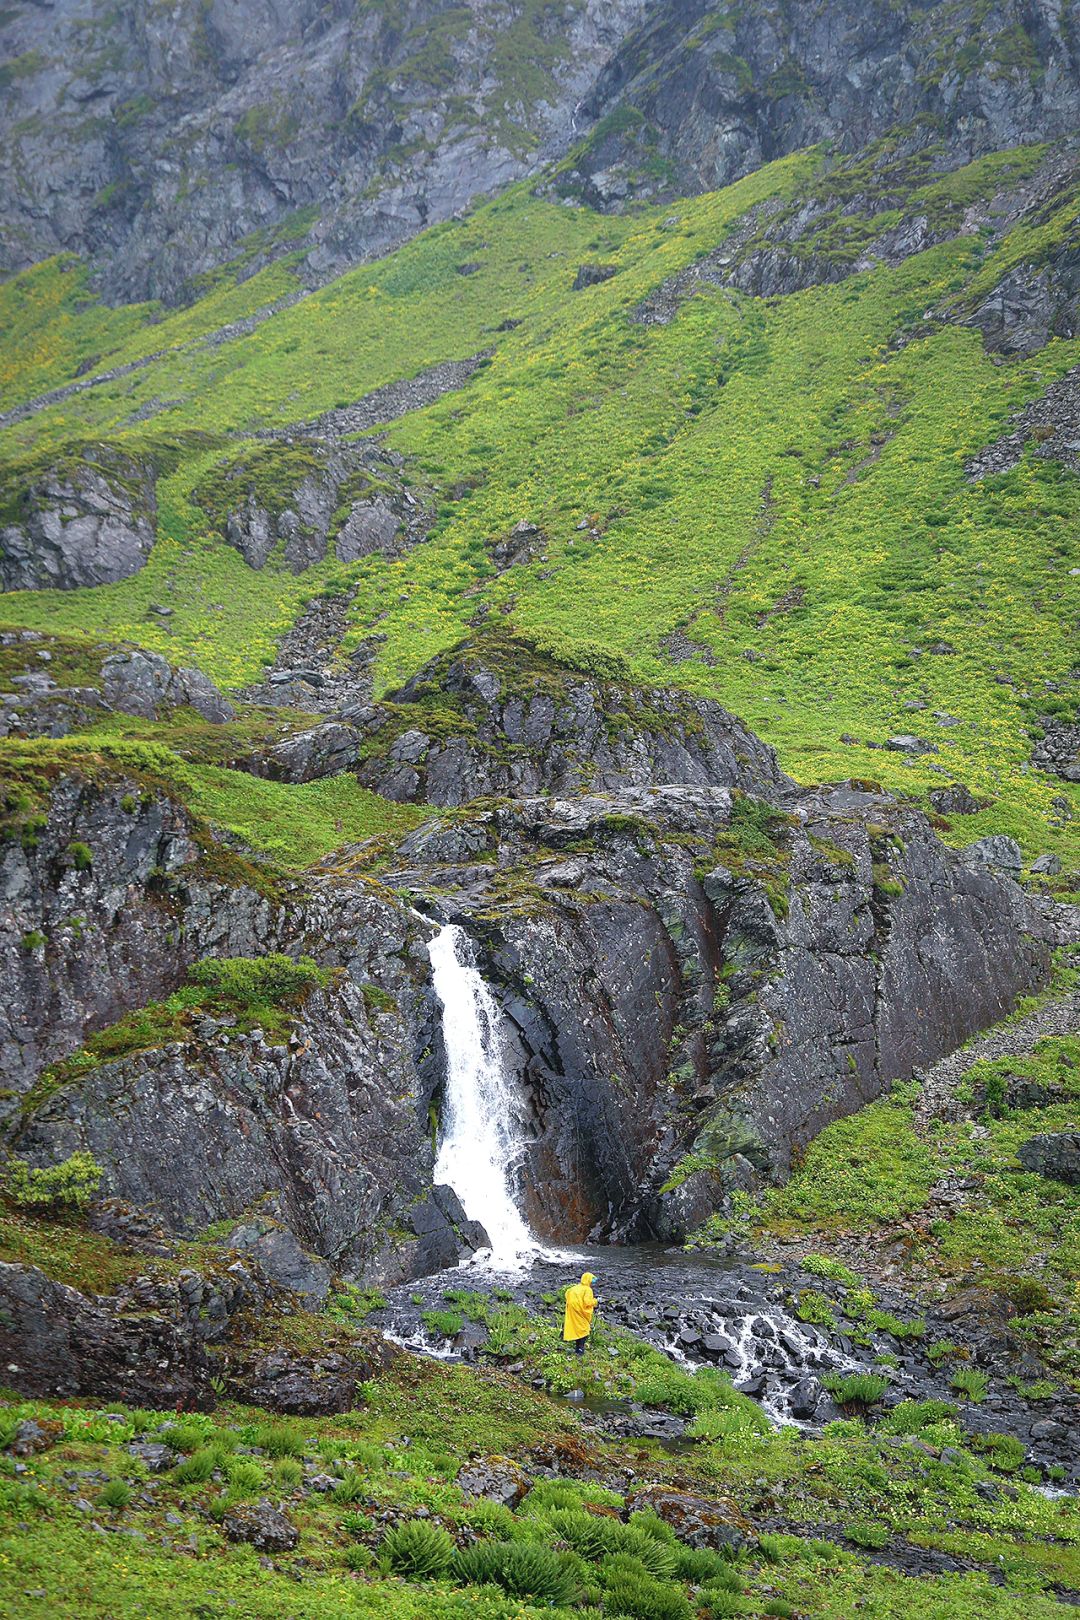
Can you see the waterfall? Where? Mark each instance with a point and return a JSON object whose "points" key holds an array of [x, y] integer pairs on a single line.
{"points": [[481, 1142]]}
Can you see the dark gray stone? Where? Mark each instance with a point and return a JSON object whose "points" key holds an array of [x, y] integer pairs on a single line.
{"points": [[267, 1529], [998, 851], [1055, 1154]]}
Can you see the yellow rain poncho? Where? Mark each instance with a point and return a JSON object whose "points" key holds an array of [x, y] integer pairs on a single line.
{"points": [[580, 1304]]}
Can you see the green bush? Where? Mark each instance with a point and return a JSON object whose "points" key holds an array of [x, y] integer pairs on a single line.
{"points": [[288, 1473], [872, 1536], [358, 1558], [252, 981], [855, 1389], [822, 1266], [82, 856], [416, 1550], [1005, 1452], [69, 1185], [911, 1417], [351, 1487], [479, 1565], [196, 1469], [277, 1439], [971, 1381], [446, 1324], [815, 1307], [630, 1590], [245, 1477], [116, 1494], [703, 1565]]}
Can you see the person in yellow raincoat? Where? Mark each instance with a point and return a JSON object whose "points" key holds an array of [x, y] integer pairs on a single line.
{"points": [[581, 1302]]}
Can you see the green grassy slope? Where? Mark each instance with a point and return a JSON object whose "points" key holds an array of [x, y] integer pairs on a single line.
{"points": [[782, 479]]}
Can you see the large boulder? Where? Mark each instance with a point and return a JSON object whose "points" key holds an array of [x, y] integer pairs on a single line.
{"points": [[144, 683], [85, 519], [1055, 1154], [57, 1342]]}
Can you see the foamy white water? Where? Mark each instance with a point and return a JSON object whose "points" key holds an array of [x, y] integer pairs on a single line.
{"points": [[482, 1141]]}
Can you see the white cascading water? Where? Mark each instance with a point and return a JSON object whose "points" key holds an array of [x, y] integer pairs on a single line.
{"points": [[482, 1141]]}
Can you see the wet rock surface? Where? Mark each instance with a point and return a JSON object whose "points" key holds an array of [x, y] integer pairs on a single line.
{"points": [[732, 1313]]}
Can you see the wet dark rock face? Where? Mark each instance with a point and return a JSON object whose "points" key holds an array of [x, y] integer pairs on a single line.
{"points": [[85, 522], [86, 938], [714, 102], [663, 993]]}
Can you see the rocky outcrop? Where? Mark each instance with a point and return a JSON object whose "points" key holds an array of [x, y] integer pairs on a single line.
{"points": [[170, 1341], [1058, 748], [84, 519], [1032, 303], [1050, 424], [694, 978], [58, 1342], [1055, 1154], [106, 897], [39, 701], [298, 497], [684, 972], [495, 717]]}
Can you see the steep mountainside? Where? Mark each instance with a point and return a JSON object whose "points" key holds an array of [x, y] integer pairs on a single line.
{"points": [[162, 141]]}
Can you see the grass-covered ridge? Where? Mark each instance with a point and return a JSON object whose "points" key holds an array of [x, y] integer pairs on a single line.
{"points": [[780, 481]]}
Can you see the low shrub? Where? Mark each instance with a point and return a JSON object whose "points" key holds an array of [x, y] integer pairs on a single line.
{"points": [[416, 1550], [196, 1469], [855, 1389], [351, 1487], [116, 1494], [871, 1536], [521, 1568], [1004, 1452], [630, 1590], [69, 1185], [970, 1381]]}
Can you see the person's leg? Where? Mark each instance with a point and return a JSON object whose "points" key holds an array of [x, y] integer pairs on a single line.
{"points": [[579, 1346]]}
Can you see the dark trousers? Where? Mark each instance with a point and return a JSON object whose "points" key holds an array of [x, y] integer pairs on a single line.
{"points": [[579, 1345]]}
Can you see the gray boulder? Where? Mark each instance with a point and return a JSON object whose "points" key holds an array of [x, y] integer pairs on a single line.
{"points": [[1046, 865], [494, 1479], [280, 1257], [998, 851], [82, 521], [370, 526], [1056, 1155], [956, 800], [264, 1527], [144, 683]]}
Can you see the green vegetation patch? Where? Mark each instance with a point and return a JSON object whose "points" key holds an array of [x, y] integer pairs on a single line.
{"points": [[264, 992]]}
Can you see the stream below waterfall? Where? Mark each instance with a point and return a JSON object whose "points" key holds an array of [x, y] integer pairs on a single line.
{"points": [[724, 1311]]}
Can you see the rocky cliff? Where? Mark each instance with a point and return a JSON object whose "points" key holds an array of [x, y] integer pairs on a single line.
{"points": [[695, 976], [163, 142]]}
